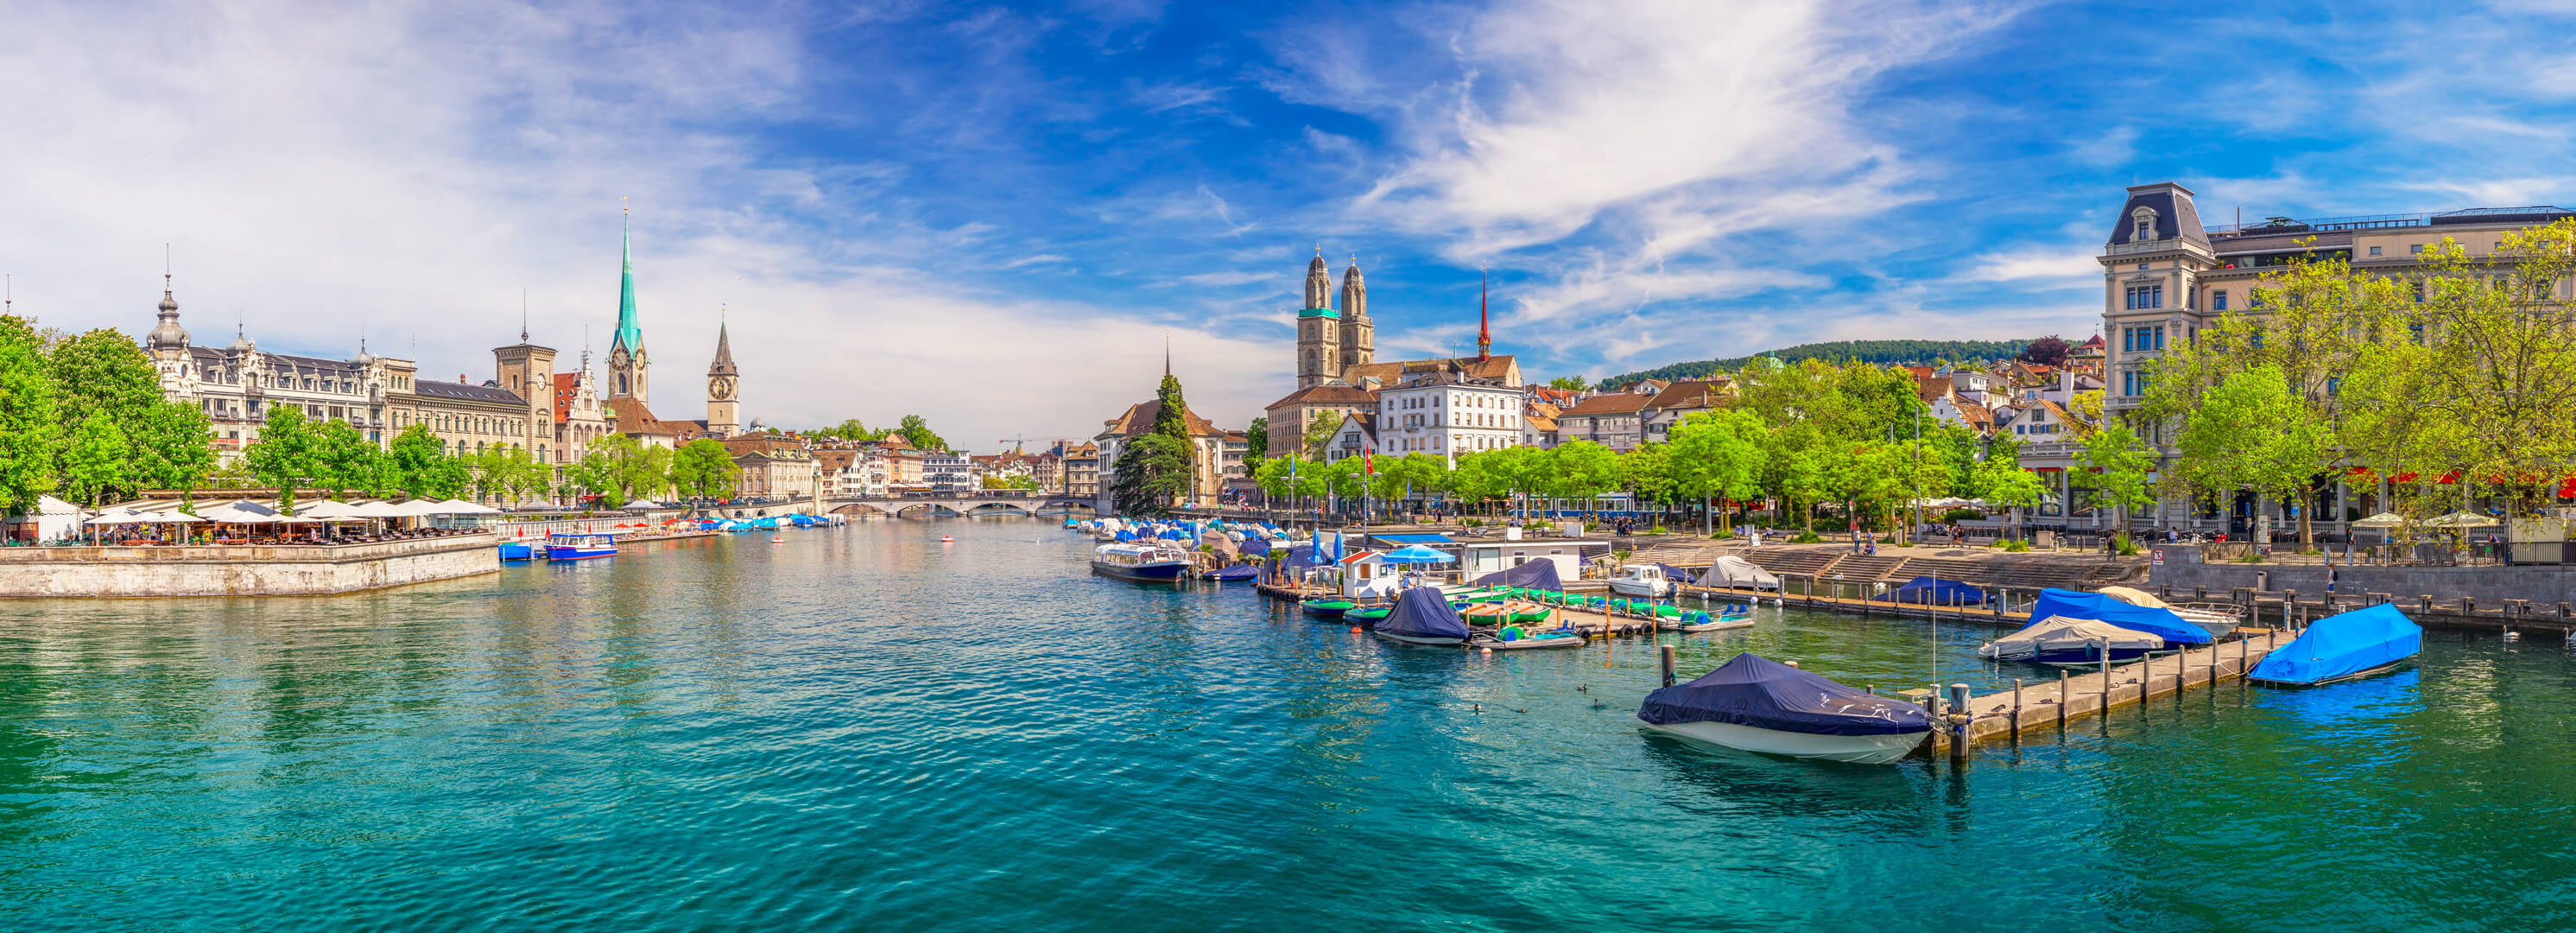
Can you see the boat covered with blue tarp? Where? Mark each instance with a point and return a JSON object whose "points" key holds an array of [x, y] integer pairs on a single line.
{"points": [[1761, 705], [1535, 575], [2341, 647], [1929, 591], [1424, 617], [2162, 623]]}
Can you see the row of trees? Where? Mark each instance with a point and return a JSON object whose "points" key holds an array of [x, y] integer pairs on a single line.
{"points": [[336, 458], [914, 429], [81, 415], [1855, 436], [2451, 379]]}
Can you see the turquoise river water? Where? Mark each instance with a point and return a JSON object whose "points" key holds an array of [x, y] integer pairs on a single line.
{"points": [[863, 728]]}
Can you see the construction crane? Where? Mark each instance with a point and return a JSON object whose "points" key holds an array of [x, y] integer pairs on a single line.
{"points": [[1019, 445]]}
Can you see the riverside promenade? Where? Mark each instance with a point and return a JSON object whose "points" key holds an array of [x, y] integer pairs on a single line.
{"points": [[243, 570]]}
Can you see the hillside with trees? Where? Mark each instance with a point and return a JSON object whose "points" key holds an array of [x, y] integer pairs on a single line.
{"points": [[1882, 352]]}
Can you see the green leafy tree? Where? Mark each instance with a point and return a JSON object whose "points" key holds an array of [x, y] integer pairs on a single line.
{"points": [[1320, 428], [1257, 440], [96, 462], [1719, 455], [2115, 469], [917, 431], [1578, 470], [30, 417], [2252, 432], [171, 445], [703, 469], [345, 461], [282, 457], [1575, 383], [417, 463]]}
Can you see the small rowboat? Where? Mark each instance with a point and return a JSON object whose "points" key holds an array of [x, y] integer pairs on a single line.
{"points": [[1732, 617], [1327, 608], [1512, 638], [1367, 616]]}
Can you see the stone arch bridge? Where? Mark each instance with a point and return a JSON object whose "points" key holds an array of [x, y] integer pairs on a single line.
{"points": [[991, 503]]}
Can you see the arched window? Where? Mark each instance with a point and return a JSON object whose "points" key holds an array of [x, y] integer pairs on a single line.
{"points": [[2143, 224]]}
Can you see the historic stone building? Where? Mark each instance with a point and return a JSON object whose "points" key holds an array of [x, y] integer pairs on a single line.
{"points": [[1337, 369]]}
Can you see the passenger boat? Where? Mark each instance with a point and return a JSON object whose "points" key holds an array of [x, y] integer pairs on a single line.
{"points": [[1730, 617], [518, 550], [1422, 616], [1143, 563], [1646, 580], [580, 545], [1756, 704], [2341, 647], [2070, 642]]}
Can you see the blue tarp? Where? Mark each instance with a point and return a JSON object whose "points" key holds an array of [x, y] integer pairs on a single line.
{"points": [[1423, 613], [1766, 694], [2157, 622], [1929, 591], [1301, 557], [1535, 575], [2343, 645], [1677, 575]]}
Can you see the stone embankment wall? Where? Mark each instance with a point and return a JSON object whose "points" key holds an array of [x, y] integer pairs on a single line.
{"points": [[2182, 568], [252, 570]]}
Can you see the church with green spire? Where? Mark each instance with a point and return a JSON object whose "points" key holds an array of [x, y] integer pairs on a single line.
{"points": [[628, 366]]}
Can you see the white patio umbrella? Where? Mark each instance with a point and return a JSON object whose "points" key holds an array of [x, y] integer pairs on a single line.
{"points": [[378, 509], [241, 512], [2381, 520], [164, 518], [462, 507], [2462, 520], [331, 510]]}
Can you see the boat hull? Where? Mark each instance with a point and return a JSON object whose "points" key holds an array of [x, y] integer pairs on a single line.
{"points": [[2389, 667], [1854, 749], [1653, 590], [1532, 644], [1416, 639], [1143, 573], [1715, 625], [579, 553], [518, 550], [1330, 611]]}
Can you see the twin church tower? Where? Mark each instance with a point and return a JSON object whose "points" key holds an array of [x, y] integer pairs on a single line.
{"points": [[1329, 341]]}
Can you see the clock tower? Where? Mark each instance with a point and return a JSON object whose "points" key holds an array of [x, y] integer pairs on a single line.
{"points": [[724, 403], [628, 367]]}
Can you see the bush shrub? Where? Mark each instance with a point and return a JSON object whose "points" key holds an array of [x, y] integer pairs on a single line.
{"points": [[1471, 523], [2124, 545], [2013, 545], [1962, 515], [1721, 536], [1807, 537]]}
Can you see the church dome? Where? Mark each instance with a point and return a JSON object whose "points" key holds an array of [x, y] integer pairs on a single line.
{"points": [[241, 344]]}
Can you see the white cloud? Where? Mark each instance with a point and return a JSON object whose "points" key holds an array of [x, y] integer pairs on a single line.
{"points": [[406, 169], [2035, 262]]}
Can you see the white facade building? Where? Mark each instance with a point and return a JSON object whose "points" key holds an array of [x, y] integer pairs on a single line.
{"points": [[1446, 413]]}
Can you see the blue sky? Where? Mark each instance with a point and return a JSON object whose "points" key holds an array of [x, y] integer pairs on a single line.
{"points": [[991, 215]]}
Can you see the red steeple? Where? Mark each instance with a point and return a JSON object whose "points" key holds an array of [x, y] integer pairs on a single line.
{"points": [[1484, 335]]}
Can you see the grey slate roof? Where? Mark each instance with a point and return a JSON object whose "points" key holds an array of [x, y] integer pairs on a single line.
{"points": [[434, 389], [2176, 217]]}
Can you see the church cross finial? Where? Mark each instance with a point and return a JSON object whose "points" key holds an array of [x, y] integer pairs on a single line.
{"points": [[523, 315]]}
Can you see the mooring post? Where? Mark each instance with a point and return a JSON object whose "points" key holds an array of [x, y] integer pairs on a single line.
{"points": [[2016, 708], [2427, 600], [1667, 662], [2065, 695], [1961, 714], [2104, 645]]}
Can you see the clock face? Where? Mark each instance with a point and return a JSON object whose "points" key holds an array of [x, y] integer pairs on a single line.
{"points": [[720, 387], [617, 357]]}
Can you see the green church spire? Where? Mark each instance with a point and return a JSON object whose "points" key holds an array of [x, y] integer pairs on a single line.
{"points": [[629, 334]]}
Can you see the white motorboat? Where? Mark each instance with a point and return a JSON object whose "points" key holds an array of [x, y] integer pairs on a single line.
{"points": [[1645, 580], [1856, 749], [1142, 563], [1756, 704]]}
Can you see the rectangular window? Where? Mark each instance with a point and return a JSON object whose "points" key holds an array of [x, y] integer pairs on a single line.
{"points": [[2374, 251], [2218, 300], [2417, 248], [2160, 336]]}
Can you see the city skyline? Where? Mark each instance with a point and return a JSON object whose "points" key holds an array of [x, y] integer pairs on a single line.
{"points": [[1043, 192]]}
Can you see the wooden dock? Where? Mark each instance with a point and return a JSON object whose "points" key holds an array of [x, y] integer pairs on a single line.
{"points": [[2051, 705]]}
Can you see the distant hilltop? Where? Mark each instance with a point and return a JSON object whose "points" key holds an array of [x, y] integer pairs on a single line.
{"points": [[1919, 352]]}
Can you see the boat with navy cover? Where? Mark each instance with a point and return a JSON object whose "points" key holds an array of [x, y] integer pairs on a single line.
{"points": [[2071, 642], [1756, 704], [1423, 616], [1142, 563], [2341, 647], [1698, 621], [581, 545], [1236, 572]]}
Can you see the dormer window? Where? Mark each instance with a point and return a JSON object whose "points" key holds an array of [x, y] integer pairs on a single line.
{"points": [[2142, 225]]}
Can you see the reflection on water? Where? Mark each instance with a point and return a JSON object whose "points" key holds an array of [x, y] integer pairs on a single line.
{"points": [[864, 728]]}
